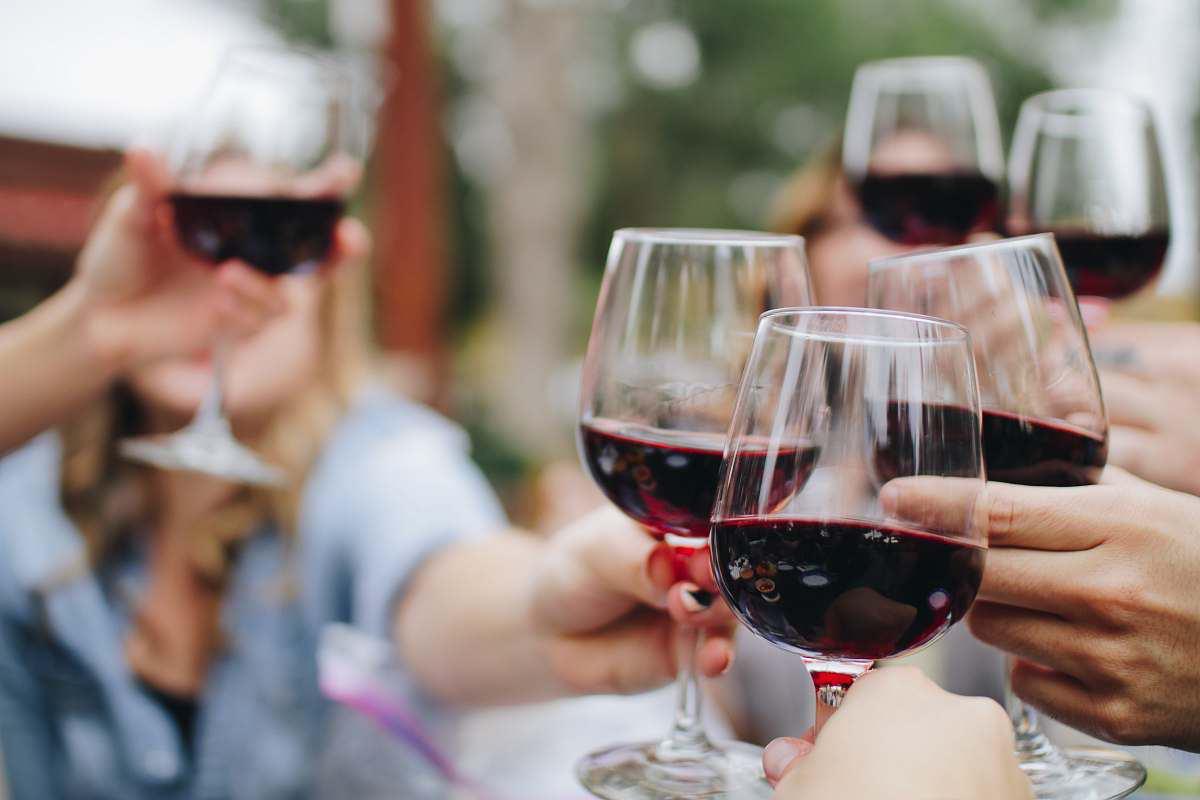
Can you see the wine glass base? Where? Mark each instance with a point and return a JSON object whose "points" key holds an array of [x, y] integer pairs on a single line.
{"points": [[1085, 773], [218, 456], [727, 770]]}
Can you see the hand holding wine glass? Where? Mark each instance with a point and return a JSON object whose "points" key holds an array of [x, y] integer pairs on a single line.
{"points": [[147, 298], [672, 331], [1043, 417], [919, 740], [1093, 589], [260, 174]]}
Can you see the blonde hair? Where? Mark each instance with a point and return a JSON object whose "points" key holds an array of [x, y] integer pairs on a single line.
{"points": [[802, 205], [108, 497]]}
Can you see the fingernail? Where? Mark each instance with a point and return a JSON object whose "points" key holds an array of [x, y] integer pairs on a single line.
{"points": [[778, 754], [695, 600]]}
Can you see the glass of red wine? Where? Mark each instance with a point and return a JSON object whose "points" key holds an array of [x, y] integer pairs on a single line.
{"points": [[810, 555], [261, 169], [1085, 164], [673, 328], [922, 149], [1043, 419]]}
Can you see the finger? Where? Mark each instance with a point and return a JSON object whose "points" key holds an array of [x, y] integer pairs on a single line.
{"points": [[714, 657], [944, 505], [150, 178], [1032, 517], [699, 568], [597, 570], [1061, 696], [1129, 401], [1036, 636], [696, 607], [618, 555], [351, 244], [1132, 449], [251, 287], [633, 654], [1035, 579], [784, 753], [1114, 475]]}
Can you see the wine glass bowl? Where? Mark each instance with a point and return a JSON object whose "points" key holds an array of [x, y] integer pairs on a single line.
{"points": [[810, 554], [1086, 165], [922, 149]]}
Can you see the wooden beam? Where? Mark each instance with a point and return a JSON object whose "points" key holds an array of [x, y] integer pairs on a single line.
{"points": [[409, 201]]}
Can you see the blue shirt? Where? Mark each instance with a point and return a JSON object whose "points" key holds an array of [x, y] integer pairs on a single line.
{"points": [[392, 486]]}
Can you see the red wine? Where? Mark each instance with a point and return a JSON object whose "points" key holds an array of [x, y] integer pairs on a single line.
{"points": [[667, 480], [928, 439], [1111, 266], [929, 208], [275, 235], [1037, 452], [841, 588]]}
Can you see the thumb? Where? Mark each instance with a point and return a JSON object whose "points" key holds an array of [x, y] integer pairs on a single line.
{"points": [[783, 753], [150, 178]]}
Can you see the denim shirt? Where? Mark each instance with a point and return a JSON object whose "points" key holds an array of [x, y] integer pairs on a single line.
{"points": [[392, 486]]}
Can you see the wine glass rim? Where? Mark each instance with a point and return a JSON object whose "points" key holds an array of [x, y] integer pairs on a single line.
{"points": [[708, 236], [299, 53], [949, 332], [1084, 101], [923, 63], [938, 253]]}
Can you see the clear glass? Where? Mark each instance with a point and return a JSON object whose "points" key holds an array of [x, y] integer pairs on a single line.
{"points": [[836, 404], [922, 149], [261, 169], [1043, 419], [1085, 164], [673, 328]]}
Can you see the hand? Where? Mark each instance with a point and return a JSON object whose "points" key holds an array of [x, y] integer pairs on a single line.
{"points": [[898, 735], [601, 594], [145, 298], [1093, 590], [1151, 382]]}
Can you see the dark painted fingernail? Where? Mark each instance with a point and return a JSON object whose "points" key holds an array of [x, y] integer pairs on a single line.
{"points": [[703, 597]]}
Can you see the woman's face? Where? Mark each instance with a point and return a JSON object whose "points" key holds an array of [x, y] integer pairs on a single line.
{"points": [[262, 372], [839, 252]]}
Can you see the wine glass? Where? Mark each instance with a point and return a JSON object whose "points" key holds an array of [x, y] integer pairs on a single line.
{"points": [[672, 331], [1043, 420], [922, 148], [806, 551], [261, 169], [1085, 165]]}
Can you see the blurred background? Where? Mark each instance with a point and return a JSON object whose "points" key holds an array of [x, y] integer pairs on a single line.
{"points": [[515, 135]]}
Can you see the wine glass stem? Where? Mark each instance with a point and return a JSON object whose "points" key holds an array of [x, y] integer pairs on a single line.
{"points": [[1032, 744], [210, 417], [687, 738]]}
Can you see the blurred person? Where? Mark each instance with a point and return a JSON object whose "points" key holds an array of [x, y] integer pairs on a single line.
{"points": [[1092, 589], [914, 740], [135, 298], [819, 204], [158, 629]]}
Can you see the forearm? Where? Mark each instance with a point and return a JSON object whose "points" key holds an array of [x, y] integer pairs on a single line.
{"points": [[51, 364], [466, 627]]}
